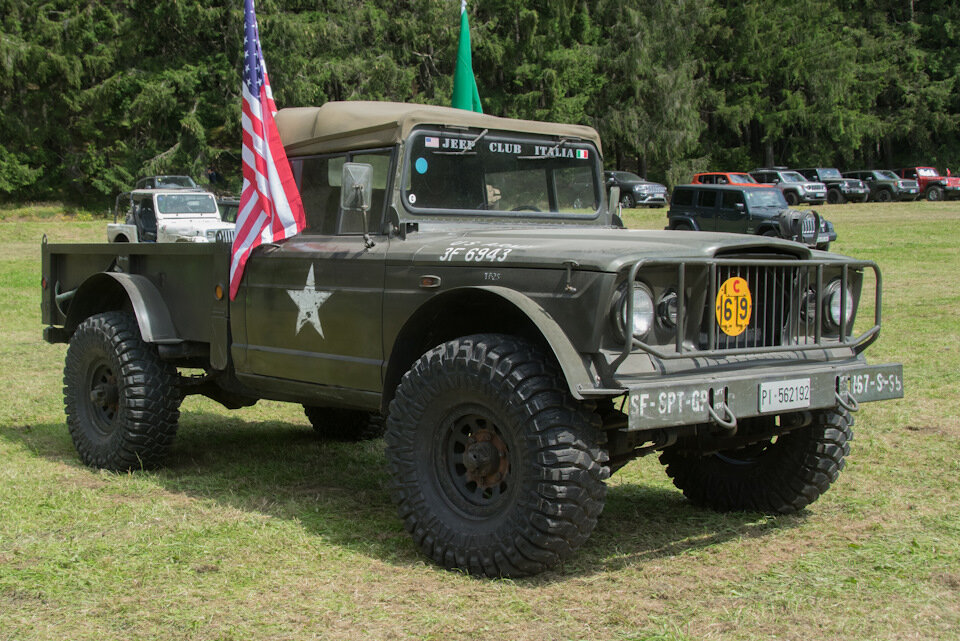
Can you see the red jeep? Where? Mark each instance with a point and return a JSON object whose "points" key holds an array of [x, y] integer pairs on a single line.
{"points": [[932, 185]]}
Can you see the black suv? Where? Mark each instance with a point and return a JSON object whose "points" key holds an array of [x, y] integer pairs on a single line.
{"points": [[839, 189], [636, 191], [746, 210], [795, 187], [885, 186]]}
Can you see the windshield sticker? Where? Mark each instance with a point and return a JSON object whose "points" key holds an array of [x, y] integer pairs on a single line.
{"points": [[308, 301], [431, 142], [734, 305], [421, 165]]}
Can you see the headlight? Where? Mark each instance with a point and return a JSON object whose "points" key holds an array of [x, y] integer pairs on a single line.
{"points": [[833, 297], [642, 310], [667, 309]]}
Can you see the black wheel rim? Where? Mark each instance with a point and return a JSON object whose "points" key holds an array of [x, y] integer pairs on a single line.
{"points": [[102, 397], [476, 464]]}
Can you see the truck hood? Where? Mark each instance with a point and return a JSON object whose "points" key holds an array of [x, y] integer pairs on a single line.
{"points": [[592, 249]]}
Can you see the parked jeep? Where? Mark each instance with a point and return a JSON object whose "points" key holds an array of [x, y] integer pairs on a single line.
{"points": [[455, 278], [796, 189], [933, 186], [839, 189], [167, 216], [636, 191], [885, 186], [746, 210], [725, 178]]}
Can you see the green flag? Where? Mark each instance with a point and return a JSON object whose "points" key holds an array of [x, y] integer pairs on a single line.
{"points": [[465, 94]]}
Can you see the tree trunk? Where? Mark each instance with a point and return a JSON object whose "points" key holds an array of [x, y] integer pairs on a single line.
{"points": [[768, 154]]}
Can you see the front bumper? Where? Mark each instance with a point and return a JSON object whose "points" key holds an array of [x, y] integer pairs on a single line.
{"points": [[650, 199], [910, 193], [813, 196], [855, 194], [698, 397]]}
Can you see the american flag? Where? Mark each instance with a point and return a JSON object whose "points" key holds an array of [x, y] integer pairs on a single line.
{"points": [[270, 205]]}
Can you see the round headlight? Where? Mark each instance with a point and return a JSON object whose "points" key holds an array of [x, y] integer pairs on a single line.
{"points": [[667, 309], [834, 298], [642, 310]]}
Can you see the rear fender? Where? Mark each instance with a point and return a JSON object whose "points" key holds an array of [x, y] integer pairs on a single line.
{"points": [[108, 291]]}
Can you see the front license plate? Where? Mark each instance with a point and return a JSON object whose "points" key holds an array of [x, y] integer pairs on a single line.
{"points": [[784, 395]]}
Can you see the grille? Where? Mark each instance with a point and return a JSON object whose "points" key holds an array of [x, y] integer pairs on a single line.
{"points": [[226, 236], [783, 307], [786, 306]]}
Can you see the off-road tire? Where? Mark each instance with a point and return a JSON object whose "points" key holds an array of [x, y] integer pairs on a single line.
{"points": [[823, 246], [884, 196], [682, 227], [122, 402], [779, 477], [771, 233], [627, 201], [542, 502], [793, 199], [934, 193], [835, 197], [337, 424]]}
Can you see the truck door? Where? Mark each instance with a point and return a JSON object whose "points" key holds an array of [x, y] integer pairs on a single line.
{"points": [[312, 306], [706, 207]]}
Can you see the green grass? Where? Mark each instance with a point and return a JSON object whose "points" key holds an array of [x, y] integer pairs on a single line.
{"points": [[257, 529]]}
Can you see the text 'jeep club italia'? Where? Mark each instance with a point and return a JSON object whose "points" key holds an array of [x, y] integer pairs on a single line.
{"points": [[463, 276]]}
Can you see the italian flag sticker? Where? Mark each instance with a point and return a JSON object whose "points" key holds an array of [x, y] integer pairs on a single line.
{"points": [[583, 154]]}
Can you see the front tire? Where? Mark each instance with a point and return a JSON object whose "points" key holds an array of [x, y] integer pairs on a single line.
{"points": [[934, 194], [496, 469], [122, 402], [792, 198], [835, 197], [884, 196], [627, 201], [781, 475]]}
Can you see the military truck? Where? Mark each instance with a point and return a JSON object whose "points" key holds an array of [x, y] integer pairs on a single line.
{"points": [[520, 344]]}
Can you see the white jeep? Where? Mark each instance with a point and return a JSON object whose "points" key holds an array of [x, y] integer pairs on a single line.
{"points": [[168, 216]]}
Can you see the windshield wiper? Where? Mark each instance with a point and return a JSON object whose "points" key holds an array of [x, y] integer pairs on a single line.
{"points": [[469, 149], [549, 153]]}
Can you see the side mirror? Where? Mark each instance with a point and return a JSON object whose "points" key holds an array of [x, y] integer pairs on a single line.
{"points": [[611, 180], [614, 199], [740, 207], [356, 186]]}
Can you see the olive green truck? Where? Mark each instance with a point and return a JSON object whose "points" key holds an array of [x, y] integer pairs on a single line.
{"points": [[472, 290]]}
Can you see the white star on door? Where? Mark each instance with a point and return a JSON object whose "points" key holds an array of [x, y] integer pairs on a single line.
{"points": [[308, 302]]}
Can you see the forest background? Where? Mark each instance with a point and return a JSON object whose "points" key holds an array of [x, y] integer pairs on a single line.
{"points": [[94, 93]]}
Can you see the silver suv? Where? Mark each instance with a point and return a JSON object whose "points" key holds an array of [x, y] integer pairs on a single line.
{"points": [[795, 187]]}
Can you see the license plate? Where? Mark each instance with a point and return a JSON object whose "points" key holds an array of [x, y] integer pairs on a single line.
{"points": [[913, 191], [784, 395]]}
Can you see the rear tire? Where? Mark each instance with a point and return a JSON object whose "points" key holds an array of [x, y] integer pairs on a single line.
{"points": [[122, 402], [496, 469], [774, 476], [338, 424]]}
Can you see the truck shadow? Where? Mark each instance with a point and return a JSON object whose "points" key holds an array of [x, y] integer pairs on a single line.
{"points": [[341, 492]]}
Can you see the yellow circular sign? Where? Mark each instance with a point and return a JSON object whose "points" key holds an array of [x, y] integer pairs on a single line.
{"points": [[734, 306]]}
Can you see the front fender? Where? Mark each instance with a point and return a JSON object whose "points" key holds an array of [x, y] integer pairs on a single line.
{"points": [[109, 291], [577, 375]]}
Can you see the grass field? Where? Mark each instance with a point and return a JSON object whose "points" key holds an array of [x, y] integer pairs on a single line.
{"points": [[258, 530]]}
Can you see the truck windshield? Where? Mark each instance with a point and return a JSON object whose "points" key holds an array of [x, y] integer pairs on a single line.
{"points": [[830, 173], [186, 204], [487, 173], [766, 198], [886, 175]]}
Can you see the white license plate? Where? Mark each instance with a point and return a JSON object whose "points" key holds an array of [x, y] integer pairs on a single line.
{"points": [[784, 395]]}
